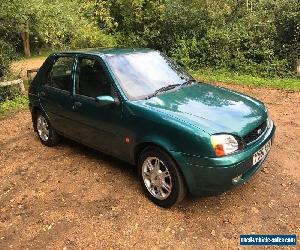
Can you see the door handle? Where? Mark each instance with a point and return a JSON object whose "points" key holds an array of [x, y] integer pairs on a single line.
{"points": [[77, 105]]}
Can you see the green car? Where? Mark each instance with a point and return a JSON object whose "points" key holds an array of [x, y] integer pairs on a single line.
{"points": [[140, 106]]}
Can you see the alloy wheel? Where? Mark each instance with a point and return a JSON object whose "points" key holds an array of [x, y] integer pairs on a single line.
{"points": [[42, 128], [157, 178]]}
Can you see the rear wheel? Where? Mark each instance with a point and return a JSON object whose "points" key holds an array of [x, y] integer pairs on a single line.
{"points": [[45, 132], [162, 181]]}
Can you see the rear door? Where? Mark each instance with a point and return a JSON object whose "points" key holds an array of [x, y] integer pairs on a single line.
{"points": [[55, 95]]}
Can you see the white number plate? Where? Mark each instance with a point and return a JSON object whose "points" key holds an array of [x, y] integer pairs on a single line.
{"points": [[262, 153]]}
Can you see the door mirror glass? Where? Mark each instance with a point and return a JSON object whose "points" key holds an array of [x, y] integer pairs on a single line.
{"points": [[105, 100]]}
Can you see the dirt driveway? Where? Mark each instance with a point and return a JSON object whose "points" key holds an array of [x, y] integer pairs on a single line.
{"points": [[21, 67], [72, 197]]}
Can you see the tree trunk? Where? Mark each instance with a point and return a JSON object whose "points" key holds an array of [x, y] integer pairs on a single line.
{"points": [[25, 38], [298, 66]]}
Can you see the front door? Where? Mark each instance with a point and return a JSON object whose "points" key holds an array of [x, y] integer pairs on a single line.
{"points": [[101, 126]]}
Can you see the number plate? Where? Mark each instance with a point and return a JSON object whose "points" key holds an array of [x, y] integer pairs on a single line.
{"points": [[262, 153]]}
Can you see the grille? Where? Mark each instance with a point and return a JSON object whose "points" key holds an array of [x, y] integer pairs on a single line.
{"points": [[254, 134]]}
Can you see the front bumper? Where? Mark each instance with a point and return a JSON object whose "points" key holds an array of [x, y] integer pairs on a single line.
{"points": [[205, 175]]}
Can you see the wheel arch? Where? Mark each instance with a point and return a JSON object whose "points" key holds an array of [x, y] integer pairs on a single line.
{"points": [[138, 149], [34, 111], [143, 145]]}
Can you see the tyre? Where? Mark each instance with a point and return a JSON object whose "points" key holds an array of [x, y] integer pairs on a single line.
{"points": [[45, 132], [161, 179]]}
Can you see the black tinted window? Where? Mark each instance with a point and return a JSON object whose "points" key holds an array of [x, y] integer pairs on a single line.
{"points": [[91, 79], [60, 76]]}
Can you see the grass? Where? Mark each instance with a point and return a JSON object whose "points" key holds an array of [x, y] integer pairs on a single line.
{"points": [[9, 107], [208, 75]]}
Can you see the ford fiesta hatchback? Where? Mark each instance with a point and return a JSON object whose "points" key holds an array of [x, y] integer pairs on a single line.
{"points": [[141, 107]]}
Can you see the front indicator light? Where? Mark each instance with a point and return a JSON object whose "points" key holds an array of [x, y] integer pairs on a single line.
{"points": [[224, 144]]}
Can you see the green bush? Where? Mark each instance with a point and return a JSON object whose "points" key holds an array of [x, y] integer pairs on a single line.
{"points": [[287, 23], [9, 93], [9, 106], [255, 37], [262, 37], [7, 54], [246, 44]]}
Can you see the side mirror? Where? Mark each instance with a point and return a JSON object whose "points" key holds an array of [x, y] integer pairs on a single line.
{"points": [[105, 100]]}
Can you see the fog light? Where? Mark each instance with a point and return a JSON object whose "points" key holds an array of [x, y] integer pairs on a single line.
{"points": [[235, 180]]}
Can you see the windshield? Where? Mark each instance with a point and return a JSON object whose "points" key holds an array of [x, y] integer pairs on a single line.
{"points": [[140, 74]]}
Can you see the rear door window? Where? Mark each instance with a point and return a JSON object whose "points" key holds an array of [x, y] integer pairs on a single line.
{"points": [[60, 76]]}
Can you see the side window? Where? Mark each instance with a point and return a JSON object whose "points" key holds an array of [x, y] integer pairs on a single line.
{"points": [[91, 80], [60, 76]]}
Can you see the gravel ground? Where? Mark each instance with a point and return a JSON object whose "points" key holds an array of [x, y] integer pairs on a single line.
{"points": [[72, 197]]}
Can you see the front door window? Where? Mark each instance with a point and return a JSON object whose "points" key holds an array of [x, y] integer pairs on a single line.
{"points": [[91, 80]]}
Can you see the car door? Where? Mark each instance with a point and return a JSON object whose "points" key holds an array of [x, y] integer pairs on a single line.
{"points": [[55, 95], [100, 126]]}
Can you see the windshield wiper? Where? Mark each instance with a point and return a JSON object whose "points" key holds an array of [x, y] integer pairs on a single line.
{"points": [[163, 89]]}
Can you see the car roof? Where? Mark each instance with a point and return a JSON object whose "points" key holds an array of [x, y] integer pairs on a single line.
{"points": [[106, 51]]}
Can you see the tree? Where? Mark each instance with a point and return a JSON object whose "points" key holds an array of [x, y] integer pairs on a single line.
{"points": [[25, 38]]}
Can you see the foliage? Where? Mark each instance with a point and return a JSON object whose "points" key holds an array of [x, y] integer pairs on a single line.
{"points": [[287, 23], [9, 93], [11, 98], [7, 54], [55, 24], [16, 104], [254, 36], [60, 26]]}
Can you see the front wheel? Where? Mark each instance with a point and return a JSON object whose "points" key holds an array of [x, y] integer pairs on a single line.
{"points": [[45, 132], [162, 181]]}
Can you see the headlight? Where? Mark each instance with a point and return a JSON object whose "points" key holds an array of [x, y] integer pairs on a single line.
{"points": [[224, 144]]}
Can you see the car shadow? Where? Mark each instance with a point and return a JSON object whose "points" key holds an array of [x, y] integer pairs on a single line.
{"points": [[96, 155], [205, 202]]}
